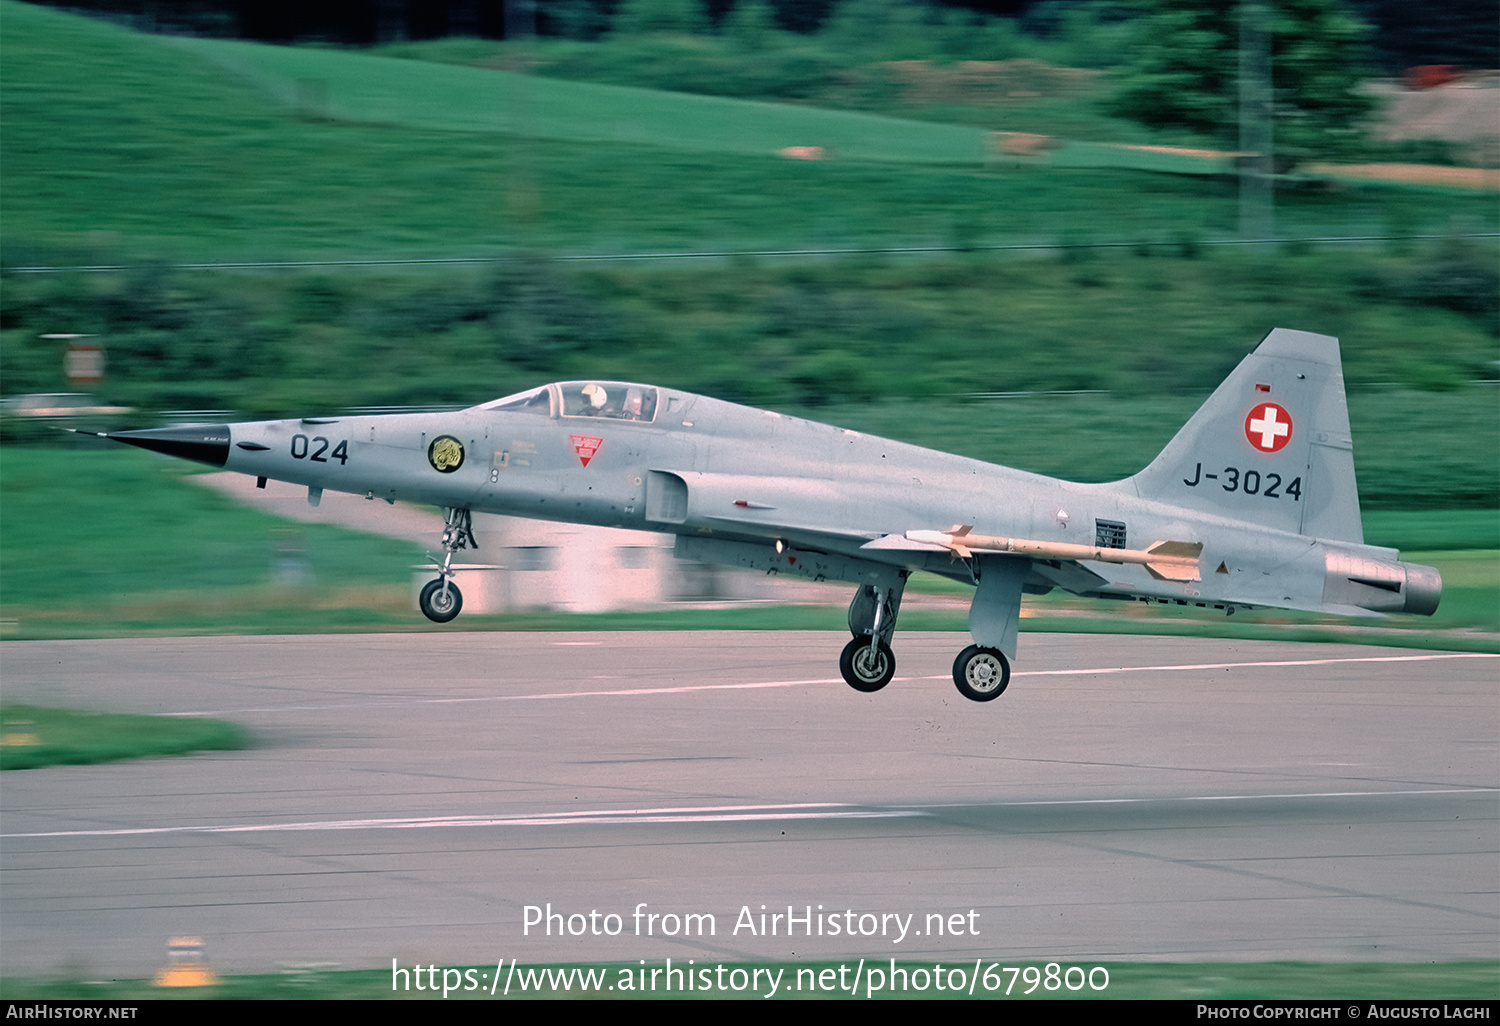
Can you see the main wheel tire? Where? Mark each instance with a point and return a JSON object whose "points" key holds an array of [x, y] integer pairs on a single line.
{"points": [[982, 674], [441, 600], [866, 670]]}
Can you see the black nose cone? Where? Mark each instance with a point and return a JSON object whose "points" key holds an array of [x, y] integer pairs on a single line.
{"points": [[206, 443]]}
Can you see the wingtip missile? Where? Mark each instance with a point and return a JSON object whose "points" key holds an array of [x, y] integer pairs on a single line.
{"points": [[1174, 560], [1165, 560], [951, 539]]}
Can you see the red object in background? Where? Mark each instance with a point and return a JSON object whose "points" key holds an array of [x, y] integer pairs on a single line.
{"points": [[1430, 76], [85, 363]]}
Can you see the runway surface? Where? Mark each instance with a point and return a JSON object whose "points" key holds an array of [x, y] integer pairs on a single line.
{"points": [[1129, 798]]}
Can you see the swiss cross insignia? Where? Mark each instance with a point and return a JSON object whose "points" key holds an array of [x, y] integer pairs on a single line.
{"points": [[585, 447], [1268, 427]]}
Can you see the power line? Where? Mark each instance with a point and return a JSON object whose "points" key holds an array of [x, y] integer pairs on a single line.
{"points": [[1021, 247]]}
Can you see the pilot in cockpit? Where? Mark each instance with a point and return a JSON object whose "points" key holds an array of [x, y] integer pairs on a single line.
{"points": [[598, 399], [634, 397]]}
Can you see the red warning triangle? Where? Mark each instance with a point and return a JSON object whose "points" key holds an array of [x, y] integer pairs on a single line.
{"points": [[585, 447]]}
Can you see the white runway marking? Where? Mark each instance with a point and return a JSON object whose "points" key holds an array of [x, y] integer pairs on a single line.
{"points": [[407, 699], [1269, 662], [630, 692], [1236, 797], [703, 814], [709, 814]]}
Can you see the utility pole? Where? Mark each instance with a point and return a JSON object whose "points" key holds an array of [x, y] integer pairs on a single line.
{"points": [[520, 19], [1256, 160]]}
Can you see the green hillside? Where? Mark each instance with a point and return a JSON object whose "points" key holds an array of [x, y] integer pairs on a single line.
{"points": [[360, 88], [120, 146], [128, 148]]}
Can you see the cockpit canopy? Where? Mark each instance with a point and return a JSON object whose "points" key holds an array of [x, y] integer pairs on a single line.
{"points": [[609, 400]]}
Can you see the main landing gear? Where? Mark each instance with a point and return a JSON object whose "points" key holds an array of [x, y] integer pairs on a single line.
{"points": [[981, 674], [982, 671], [441, 600], [867, 663]]}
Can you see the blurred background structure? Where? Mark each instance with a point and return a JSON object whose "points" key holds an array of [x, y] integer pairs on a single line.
{"points": [[1030, 232], [524, 565]]}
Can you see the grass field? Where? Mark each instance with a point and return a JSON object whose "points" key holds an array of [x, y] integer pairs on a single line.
{"points": [[33, 736], [357, 88], [148, 550], [128, 148], [121, 146], [1196, 981], [362, 88]]}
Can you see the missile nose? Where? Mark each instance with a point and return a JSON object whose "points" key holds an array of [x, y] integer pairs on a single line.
{"points": [[205, 443]]}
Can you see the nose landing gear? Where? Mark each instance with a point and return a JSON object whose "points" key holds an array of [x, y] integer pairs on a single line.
{"points": [[440, 600]]}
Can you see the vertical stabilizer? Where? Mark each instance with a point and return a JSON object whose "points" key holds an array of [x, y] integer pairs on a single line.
{"points": [[1271, 446]]}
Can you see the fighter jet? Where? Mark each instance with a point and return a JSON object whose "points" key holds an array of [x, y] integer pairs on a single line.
{"points": [[1252, 504]]}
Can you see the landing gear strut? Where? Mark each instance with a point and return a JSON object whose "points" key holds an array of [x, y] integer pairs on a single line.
{"points": [[867, 663], [982, 671], [441, 600]]}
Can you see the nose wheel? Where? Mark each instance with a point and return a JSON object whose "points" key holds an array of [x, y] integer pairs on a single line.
{"points": [[982, 674], [441, 600]]}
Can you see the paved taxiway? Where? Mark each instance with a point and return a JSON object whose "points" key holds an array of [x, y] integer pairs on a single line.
{"points": [[409, 795]]}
